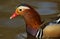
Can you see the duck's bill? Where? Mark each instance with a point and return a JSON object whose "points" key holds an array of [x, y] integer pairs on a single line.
{"points": [[13, 16]]}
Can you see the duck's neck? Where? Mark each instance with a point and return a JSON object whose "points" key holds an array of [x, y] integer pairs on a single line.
{"points": [[33, 21]]}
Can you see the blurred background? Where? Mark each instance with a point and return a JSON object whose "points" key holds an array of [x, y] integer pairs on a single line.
{"points": [[10, 28]]}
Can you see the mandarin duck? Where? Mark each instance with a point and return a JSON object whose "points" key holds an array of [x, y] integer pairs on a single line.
{"points": [[32, 20], [33, 23]]}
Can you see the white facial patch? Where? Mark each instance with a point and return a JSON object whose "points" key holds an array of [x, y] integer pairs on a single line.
{"points": [[23, 7]]}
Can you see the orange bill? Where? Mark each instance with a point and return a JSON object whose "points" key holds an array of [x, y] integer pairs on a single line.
{"points": [[13, 16]]}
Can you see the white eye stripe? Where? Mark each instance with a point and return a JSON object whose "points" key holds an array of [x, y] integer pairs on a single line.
{"points": [[23, 7]]}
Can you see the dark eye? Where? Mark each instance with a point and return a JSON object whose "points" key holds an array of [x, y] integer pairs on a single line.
{"points": [[20, 9]]}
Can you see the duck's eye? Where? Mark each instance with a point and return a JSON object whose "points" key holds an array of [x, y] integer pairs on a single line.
{"points": [[20, 9]]}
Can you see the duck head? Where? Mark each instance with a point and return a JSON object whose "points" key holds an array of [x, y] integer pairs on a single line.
{"points": [[32, 18], [20, 10]]}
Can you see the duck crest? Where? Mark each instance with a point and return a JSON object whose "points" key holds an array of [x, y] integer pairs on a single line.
{"points": [[21, 5]]}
